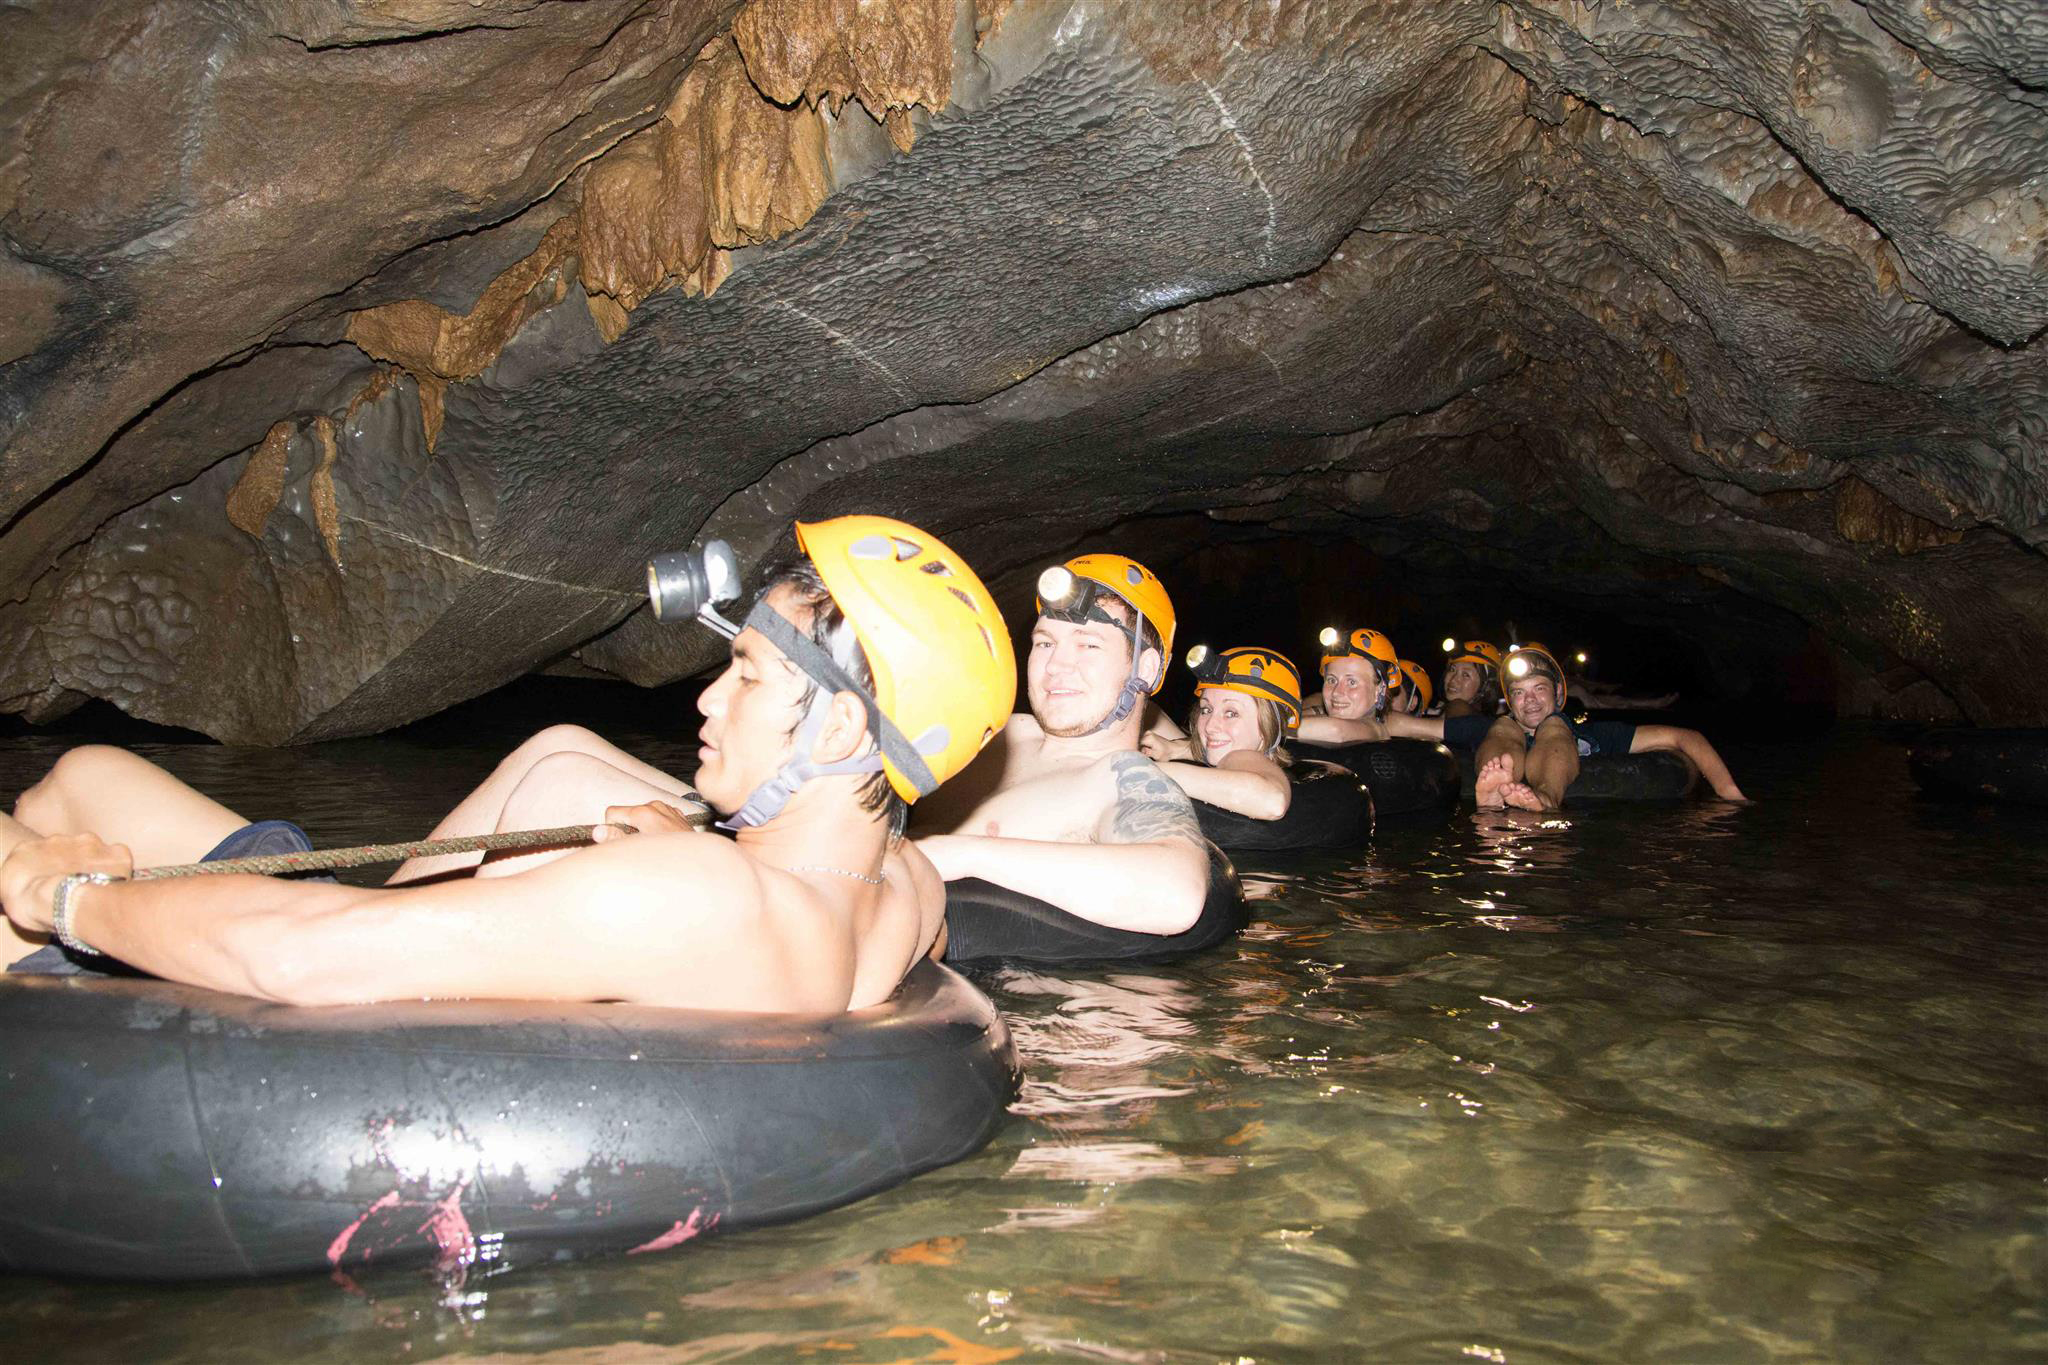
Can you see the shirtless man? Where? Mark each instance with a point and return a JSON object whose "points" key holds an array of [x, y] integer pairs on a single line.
{"points": [[1357, 680], [1528, 757], [865, 674], [1063, 807]]}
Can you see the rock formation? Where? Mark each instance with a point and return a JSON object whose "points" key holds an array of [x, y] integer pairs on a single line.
{"points": [[354, 354]]}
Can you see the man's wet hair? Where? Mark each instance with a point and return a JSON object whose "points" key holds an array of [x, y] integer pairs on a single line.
{"points": [[833, 633]]}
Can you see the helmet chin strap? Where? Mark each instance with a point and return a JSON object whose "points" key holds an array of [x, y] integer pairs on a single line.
{"points": [[767, 801]]}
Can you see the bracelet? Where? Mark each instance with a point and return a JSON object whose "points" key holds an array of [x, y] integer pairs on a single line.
{"points": [[60, 909]]}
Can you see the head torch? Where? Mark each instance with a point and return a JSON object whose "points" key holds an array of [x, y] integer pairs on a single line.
{"points": [[1066, 596], [693, 584]]}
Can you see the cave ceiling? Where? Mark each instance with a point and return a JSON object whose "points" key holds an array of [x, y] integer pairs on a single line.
{"points": [[355, 354]]}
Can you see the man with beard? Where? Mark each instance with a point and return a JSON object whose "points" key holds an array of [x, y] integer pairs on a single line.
{"points": [[1062, 807]]}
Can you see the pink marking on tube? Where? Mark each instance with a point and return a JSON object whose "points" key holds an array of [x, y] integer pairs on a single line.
{"points": [[339, 1246], [453, 1241], [680, 1233]]}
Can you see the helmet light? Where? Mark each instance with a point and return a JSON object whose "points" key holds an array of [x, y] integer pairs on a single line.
{"points": [[1056, 584], [1580, 656], [1518, 667], [1198, 656], [686, 584], [1329, 638], [1450, 645]]}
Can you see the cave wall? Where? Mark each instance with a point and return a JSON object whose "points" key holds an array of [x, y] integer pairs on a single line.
{"points": [[354, 354]]}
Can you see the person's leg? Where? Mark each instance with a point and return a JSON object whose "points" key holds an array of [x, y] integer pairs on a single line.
{"points": [[125, 799], [566, 789], [1500, 759], [483, 810], [1552, 766], [14, 946]]}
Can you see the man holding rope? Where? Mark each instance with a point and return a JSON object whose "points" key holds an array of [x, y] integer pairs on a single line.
{"points": [[866, 673]]}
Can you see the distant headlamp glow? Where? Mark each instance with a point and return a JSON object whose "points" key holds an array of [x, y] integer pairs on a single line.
{"points": [[1056, 584], [1449, 644], [1330, 638], [1580, 656]]}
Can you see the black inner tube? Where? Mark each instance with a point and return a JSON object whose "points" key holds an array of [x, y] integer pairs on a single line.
{"points": [[1653, 775], [155, 1131], [1330, 809], [986, 922], [1994, 765], [1407, 777]]}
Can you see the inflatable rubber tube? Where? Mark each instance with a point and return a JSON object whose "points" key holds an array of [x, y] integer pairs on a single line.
{"points": [[985, 922], [1991, 765], [1330, 809], [1653, 775], [154, 1131], [1407, 777]]}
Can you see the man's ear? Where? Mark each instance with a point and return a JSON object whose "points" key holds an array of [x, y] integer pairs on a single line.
{"points": [[845, 730], [1149, 664]]}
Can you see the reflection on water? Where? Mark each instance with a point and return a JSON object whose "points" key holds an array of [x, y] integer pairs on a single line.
{"points": [[1660, 1084]]}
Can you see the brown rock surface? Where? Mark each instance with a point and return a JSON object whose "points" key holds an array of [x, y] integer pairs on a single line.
{"points": [[363, 375]]}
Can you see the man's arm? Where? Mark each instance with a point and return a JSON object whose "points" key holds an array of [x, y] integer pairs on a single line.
{"points": [[1694, 746], [1331, 730], [600, 924], [1401, 725], [1146, 872]]}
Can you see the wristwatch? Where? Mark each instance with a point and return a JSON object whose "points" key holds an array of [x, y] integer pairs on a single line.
{"points": [[60, 910]]}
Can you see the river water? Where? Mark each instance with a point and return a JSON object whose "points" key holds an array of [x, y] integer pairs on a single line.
{"points": [[1694, 1083]]}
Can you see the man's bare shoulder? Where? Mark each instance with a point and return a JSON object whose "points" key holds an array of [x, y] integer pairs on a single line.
{"points": [[1146, 805]]}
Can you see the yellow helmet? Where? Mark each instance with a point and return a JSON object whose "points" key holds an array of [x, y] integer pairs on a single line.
{"points": [[945, 674], [1264, 673], [1064, 590], [1473, 652], [1418, 680], [1361, 644], [1522, 660]]}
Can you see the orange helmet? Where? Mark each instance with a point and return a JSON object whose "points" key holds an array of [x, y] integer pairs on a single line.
{"points": [[1418, 680], [945, 674], [1473, 652], [1522, 660], [1065, 591], [1263, 673], [1361, 644]]}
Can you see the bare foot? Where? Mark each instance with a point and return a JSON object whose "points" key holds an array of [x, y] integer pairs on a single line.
{"points": [[1522, 796], [1486, 788]]}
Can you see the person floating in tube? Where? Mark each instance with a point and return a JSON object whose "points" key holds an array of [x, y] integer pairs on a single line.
{"points": [[1360, 670], [1528, 757], [1246, 701], [868, 671], [1063, 807], [1415, 693], [1471, 679]]}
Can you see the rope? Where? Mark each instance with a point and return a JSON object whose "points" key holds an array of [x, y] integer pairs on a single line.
{"points": [[362, 855]]}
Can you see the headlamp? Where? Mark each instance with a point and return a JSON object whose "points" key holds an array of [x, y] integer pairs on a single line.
{"points": [[1330, 639], [1056, 584], [1581, 657], [1518, 667], [1450, 645], [692, 584]]}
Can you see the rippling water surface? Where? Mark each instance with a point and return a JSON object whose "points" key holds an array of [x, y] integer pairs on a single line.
{"points": [[1686, 1083]]}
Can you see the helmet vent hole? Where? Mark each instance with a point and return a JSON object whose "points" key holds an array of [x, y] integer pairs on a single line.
{"points": [[907, 549], [938, 568], [988, 642], [965, 600]]}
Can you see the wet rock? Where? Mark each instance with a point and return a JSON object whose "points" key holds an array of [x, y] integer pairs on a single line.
{"points": [[364, 376]]}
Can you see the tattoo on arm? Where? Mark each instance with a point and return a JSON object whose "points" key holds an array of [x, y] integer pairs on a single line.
{"points": [[1149, 807]]}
